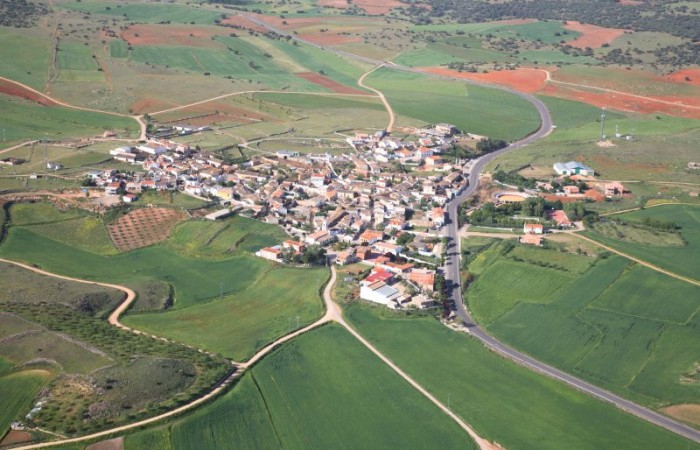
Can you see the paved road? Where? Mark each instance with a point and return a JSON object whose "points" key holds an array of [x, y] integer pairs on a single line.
{"points": [[453, 279], [452, 267]]}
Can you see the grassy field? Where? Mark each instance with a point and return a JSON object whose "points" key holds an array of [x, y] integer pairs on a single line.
{"points": [[335, 394], [472, 109], [148, 13], [216, 283], [28, 287], [221, 238], [647, 158], [605, 324], [17, 393], [237, 325], [25, 120], [504, 402], [676, 258], [29, 51]]}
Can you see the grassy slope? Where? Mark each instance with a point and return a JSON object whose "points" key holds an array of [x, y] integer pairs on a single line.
{"points": [[322, 390], [17, 392], [682, 260], [23, 119], [471, 108], [505, 402], [237, 325], [663, 147], [29, 53]]}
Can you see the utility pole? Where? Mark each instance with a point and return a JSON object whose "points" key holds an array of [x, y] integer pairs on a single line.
{"points": [[3, 135], [602, 124]]}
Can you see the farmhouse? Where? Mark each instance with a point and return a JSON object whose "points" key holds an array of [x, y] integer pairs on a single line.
{"points": [[423, 278], [271, 253], [533, 228], [379, 292], [573, 168], [614, 188]]}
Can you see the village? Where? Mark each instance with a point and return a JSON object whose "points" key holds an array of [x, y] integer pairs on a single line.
{"points": [[381, 205]]}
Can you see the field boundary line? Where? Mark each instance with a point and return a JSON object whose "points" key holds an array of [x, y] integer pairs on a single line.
{"points": [[639, 208], [255, 91], [638, 261]]}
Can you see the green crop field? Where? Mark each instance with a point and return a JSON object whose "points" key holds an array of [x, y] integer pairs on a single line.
{"points": [[29, 51], [37, 213], [207, 239], [472, 109], [87, 233], [678, 259], [216, 282], [191, 278], [23, 119], [335, 394], [17, 392], [75, 57], [606, 325], [504, 402], [149, 13], [118, 48], [237, 325]]}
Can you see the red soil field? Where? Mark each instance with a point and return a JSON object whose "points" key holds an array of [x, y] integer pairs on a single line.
{"points": [[370, 6], [241, 21], [328, 83], [15, 90], [679, 77], [329, 38], [606, 163], [153, 34], [226, 113], [145, 105], [522, 79], [624, 102], [14, 437], [593, 36]]}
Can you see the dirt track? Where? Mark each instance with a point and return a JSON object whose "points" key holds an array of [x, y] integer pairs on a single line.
{"points": [[361, 83]]}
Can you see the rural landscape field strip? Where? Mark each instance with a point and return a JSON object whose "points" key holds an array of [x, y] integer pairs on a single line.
{"points": [[381, 96], [333, 313], [637, 260], [138, 119]]}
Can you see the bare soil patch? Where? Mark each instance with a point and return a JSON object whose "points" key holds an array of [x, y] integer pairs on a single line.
{"points": [[328, 83], [686, 76], [110, 444], [212, 112], [592, 36], [180, 35], [144, 105], [687, 412], [374, 7], [625, 102], [143, 227], [522, 79], [243, 22], [14, 437], [15, 90], [330, 38]]}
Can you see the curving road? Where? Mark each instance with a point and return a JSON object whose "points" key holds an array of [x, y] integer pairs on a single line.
{"points": [[452, 261], [453, 279]]}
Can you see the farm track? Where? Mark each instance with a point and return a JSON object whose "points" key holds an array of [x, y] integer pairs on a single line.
{"points": [[638, 261], [333, 314], [142, 124], [381, 96]]}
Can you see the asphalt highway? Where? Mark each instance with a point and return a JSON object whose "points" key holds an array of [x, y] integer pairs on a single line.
{"points": [[452, 261]]}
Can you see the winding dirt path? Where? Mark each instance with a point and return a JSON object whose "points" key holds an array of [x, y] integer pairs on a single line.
{"points": [[255, 91], [333, 314], [387, 106], [138, 119]]}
